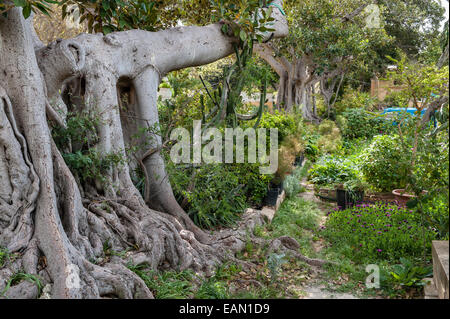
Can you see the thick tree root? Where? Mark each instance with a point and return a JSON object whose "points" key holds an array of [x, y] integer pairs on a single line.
{"points": [[291, 247]]}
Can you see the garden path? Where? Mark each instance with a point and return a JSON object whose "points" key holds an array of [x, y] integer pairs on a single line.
{"points": [[315, 289]]}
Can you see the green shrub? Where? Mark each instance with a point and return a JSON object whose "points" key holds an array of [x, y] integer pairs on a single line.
{"points": [[91, 165], [80, 130], [355, 99], [311, 150], [255, 184], [395, 99], [217, 194], [213, 192], [436, 214], [378, 232], [358, 123], [291, 185], [410, 275], [384, 163], [333, 170], [330, 141], [285, 123]]}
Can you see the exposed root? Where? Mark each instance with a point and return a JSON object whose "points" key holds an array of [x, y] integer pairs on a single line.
{"points": [[18, 201], [290, 246]]}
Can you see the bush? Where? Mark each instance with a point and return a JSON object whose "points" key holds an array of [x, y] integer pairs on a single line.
{"points": [[358, 123], [285, 123], [291, 185], [436, 214], [217, 194], [213, 192], [354, 99], [330, 141], [311, 150], [255, 184], [395, 99], [378, 232], [384, 163], [333, 170]]}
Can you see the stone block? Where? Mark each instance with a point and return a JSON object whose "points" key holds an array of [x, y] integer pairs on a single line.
{"points": [[440, 267]]}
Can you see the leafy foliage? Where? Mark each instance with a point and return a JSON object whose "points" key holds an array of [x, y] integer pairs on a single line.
{"points": [[28, 6], [76, 142], [217, 194], [285, 123], [311, 150], [407, 274], [92, 165], [412, 23], [334, 170], [355, 99], [385, 164], [359, 123]]}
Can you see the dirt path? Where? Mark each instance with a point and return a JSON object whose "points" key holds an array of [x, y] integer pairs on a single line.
{"points": [[314, 288]]}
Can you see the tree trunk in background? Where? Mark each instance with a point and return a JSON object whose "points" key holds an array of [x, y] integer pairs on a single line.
{"points": [[295, 84]]}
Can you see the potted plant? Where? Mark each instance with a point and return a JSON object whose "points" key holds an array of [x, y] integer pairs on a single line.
{"points": [[275, 188], [350, 193], [295, 147], [299, 159]]}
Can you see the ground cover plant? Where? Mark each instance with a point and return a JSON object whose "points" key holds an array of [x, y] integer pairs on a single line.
{"points": [[379, 232]]}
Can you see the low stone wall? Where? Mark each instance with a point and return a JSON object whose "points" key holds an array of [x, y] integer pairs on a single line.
{"points": [[440, 267], [437, 287]]}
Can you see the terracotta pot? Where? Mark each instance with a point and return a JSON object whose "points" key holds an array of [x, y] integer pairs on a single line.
{"points": [[402, 197]]}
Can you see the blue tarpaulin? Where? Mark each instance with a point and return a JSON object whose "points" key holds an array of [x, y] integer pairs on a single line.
{"points": [[409, 110]]}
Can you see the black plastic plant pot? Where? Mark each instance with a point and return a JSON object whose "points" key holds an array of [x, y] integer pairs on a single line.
{"points": [[272, 196], [299, 160], [278, 186], [346, 199]]}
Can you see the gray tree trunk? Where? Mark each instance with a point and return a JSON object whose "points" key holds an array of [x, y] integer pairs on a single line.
{"points": [[59, 228]]}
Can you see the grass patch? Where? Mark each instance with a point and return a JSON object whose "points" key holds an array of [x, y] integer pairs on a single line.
{"points": [[19, 277], [293, 217], [4, 256], [166, 285]]}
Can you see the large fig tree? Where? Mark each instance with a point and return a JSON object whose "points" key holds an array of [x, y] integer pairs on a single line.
{"points": [[55, 224]]}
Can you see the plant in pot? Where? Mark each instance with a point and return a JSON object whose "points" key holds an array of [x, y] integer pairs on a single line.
{"points": [[275, 188], [286, 159], [296, 148], [350, 192]]}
